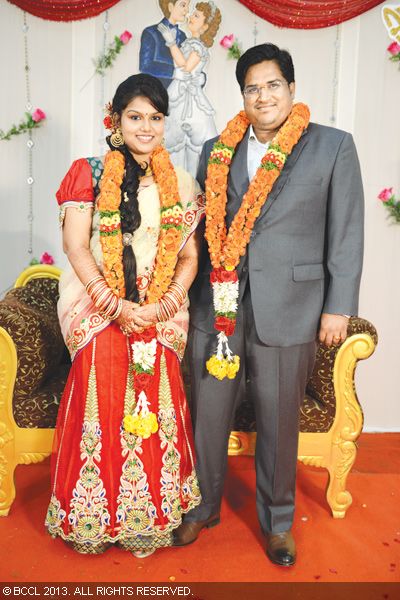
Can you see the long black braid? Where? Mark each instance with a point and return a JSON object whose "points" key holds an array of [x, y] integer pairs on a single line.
{"points": [[151, 88]]}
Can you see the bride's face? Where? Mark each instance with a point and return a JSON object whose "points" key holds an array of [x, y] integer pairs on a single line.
{"points": [[197, 23], [142, 127]]}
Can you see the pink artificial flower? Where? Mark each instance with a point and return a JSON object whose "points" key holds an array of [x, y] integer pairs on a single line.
{"points": [[125, 37], [386, 194], [227, 41], [38, 115], [394, 48], [46, 259]]}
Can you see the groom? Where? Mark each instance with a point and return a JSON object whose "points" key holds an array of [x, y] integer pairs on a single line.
{"points": [[298, 279]]}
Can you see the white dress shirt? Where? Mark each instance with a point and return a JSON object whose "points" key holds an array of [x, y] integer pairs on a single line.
{"points": [[255, 152]]}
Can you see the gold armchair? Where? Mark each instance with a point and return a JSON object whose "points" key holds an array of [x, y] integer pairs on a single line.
{"points": [[331, 417], [33, 370]]}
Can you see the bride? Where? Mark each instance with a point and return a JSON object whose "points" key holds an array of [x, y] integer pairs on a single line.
{"points": [[191, 119]]}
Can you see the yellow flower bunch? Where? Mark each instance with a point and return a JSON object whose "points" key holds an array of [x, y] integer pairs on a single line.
{"points": [[142, 426], [111, 219], [222, 367]]}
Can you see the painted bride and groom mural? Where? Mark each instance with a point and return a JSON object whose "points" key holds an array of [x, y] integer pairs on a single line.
{"points": [[180, 60]]}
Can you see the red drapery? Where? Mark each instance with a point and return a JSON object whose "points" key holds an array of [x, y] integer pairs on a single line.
{"points": [[308, 14], [295, 14], [64, 10]]}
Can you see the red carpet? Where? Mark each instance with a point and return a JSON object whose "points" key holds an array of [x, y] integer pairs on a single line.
{"points": [[363, 547]]}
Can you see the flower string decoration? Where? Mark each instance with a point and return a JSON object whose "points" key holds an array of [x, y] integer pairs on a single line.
{"points": [[232, 45], [227, 247], [143, 422], [106, 60], [394, 51], [31, 121], [391, 204]]}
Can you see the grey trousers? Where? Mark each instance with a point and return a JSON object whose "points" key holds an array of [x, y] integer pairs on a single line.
{"points": [[278, 378]]}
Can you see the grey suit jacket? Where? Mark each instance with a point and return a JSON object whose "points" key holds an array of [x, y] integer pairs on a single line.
{"points": [[305, 252]]}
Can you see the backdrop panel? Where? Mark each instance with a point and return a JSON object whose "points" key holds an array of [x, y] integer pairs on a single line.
{"points": [[295, 14]]}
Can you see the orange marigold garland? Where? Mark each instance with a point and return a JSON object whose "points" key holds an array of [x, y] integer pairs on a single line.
{"points": [[142, 422], [110, 221], [226, 248], [170, 236]]}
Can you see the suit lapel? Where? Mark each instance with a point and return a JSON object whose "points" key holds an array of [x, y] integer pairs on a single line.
{"points": [[238, 182], [284, 176]]}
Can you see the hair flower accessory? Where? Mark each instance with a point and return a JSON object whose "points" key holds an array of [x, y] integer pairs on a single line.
{"points": [[230, 43], [31, 121], [391, 204], [108, 119], [108, 122]]}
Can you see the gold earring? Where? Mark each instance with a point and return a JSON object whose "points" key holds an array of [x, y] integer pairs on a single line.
{"points": [[116, 138]]}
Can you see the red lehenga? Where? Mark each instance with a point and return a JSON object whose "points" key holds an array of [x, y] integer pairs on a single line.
{"points": [[110, 486]]}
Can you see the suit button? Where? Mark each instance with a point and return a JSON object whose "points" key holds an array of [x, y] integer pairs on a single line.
{"points": [[245, 269]]}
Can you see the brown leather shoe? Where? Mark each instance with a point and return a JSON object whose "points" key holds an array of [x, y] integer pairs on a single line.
{"points": [[281, 548], [187, 533]]}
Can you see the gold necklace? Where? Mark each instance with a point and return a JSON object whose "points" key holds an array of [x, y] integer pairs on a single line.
{"points": [[148, 170]]}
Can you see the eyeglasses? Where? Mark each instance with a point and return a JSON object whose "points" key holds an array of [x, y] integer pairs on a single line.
{"points": [[252, 91]]}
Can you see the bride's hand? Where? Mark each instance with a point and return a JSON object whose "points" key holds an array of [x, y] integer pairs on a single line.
{"points": [[168, 34], [127, 321], [147, 315], [125, 317]]}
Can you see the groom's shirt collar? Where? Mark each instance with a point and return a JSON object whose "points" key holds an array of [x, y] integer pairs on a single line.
{"points": [[255, 152]]}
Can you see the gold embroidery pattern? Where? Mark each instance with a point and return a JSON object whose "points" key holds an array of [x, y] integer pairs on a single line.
{"points": [[168, 432], [168, 336], [193, 214], [83, 334], [55, 515], [81, 206], [135, 512], [191, 491], [89, 517]]}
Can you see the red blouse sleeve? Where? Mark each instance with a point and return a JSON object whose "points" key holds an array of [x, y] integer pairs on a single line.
{"points": [[77, 185]]}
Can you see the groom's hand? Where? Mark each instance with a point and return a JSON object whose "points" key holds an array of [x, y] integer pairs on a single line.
{"points": [[333, 329]]}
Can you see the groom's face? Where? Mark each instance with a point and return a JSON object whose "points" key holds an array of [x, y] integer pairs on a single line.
{"points": [[178, 11], [268, 97]]}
